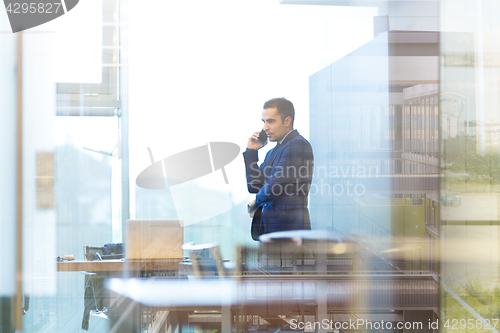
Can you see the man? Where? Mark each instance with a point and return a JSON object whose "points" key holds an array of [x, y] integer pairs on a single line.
{"points": [[283, 180]]}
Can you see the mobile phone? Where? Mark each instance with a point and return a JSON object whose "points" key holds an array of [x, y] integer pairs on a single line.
{"points": [[262, 137]]}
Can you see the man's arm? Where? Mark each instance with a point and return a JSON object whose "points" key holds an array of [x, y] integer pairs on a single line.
{"points": [[255, 178], [291, 176]]}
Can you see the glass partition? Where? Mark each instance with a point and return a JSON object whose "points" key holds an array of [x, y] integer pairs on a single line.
{"points": [[8, 190], [206, 79], [397, 100], [470, 165]]}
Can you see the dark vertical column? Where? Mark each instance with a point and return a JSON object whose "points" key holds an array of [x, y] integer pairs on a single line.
{"points": [[6, 315]]}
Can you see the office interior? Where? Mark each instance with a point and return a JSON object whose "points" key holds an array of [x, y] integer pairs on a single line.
{"points": [[397, 99]]}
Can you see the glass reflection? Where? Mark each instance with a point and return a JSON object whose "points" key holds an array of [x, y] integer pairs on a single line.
{"points": [[470, 166], [404, 127]]}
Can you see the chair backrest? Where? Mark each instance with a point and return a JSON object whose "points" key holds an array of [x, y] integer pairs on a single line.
{"points": [[206, 259]]}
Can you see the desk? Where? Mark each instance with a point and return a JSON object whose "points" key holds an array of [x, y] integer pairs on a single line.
{"points": [[274, 295], [114, 269], [120, 265]]}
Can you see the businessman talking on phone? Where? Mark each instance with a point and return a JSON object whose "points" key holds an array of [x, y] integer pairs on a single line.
{"points": [[283, 180]]}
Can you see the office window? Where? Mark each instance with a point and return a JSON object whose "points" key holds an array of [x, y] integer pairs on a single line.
{"points": [[198, 85]]}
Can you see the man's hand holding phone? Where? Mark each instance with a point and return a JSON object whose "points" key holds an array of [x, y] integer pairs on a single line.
{"points": [[257, 140]]}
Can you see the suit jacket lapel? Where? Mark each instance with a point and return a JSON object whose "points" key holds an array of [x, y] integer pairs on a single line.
{"points": [[274, 155], [279, 147]]}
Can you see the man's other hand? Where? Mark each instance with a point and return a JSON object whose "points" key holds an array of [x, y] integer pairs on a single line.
{"points": [[254, 143]]}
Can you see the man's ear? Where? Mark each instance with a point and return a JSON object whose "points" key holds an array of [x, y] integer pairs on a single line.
{"points": [[288, 121]]}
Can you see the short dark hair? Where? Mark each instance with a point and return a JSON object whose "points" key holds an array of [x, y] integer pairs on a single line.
{"points": [[284, 107]]}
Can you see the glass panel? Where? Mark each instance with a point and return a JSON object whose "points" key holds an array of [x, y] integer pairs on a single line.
{"points": [[470, 162], [39, 207], [8, 170], [237, 65], [69, 180], [364, 84], [83, 182], [346, 106]]}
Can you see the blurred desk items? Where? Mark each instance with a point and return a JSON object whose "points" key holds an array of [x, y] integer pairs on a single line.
{"points": [[66, 257], [106, 252]]}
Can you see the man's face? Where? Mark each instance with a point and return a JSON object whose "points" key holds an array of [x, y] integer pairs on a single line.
{"points": [[274, 126]]}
